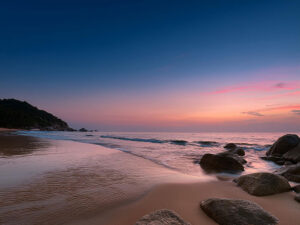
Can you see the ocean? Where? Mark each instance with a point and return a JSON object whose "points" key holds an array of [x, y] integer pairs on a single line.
{"points": [[176, 151]]}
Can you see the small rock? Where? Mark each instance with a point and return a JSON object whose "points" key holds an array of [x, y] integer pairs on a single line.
{"points": [[236, 212], [220, 163], [230, 146], [162, 217], [238, 151], [296, 188], [261, 184]]}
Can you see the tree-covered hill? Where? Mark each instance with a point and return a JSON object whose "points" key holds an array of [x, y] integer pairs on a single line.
{"points": [[22, 115]]}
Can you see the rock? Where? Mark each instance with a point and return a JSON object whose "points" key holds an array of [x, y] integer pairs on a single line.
{"points": [[275, 159], [261, 184], [83, 130], [232, 155], [296, 188], [161, 217], [221, 163], [283, 145], [230, 146], [236, 212], [238, 151], [292, 173], [297, 198], [293, 154]]}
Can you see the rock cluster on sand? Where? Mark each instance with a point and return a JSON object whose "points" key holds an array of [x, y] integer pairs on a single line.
{"points": [[161, 217], [236, 212], [229, 161], [261, 184]]}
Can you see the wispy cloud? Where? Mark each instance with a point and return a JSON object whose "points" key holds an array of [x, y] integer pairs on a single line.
{"points": [[266, 86], [252, 113], [297, 112]]}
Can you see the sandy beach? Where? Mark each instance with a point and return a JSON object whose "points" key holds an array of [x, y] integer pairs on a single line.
{"points": [[92, 184]]}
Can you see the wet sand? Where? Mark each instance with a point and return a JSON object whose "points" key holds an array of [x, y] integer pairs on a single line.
{"points": [[66, 182]]}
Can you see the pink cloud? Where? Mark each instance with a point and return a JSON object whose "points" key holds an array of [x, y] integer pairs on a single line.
{"points": [[265, 86]]}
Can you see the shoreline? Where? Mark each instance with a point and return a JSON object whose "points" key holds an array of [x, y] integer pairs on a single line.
{"points": [[92, 184]]}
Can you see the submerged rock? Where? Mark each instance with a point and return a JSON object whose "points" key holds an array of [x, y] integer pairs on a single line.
{"points": [[162, 217], [236, 212], [292, 173], [261, 184], [221, 163], [283, 145], [277, 160], [230, 146]]}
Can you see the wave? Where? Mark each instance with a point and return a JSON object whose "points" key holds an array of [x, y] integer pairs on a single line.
{"points": [[151, 140], [208, 143]]}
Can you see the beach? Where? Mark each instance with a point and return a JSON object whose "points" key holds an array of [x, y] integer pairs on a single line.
{"points": [[46, 181]]}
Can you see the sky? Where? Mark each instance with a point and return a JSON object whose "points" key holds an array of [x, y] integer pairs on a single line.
{"points": [[149, 65]]}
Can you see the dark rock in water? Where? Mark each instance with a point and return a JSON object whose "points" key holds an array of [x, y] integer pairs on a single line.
{"points": [[230, 146], [238, 151], [236, 212], [221, 163], [89, 135], [261, 184], [162, 217], [233, 155], [293, 154], [292, 173], [83, 130], [297, 198], [296, 188], [283, 145]]}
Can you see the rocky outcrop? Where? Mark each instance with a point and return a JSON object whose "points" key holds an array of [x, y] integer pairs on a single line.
{"points": [[162, 217], [261, 184], [236, 212], [222, 162], [283, 145], [292, 172], [21, 115]]}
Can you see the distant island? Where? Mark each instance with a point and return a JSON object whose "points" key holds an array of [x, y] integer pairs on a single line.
{"points": [[21, 115]]}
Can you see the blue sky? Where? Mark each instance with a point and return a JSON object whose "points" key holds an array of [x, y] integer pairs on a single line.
{"points": [[97, 51]]}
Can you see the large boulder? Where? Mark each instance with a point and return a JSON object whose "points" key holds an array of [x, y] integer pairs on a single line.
{"points": [[296, 188], [221, 163], [236, 212], [283, 145], [292, 173], [162, 217], [293, 154], [261, 184]]}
